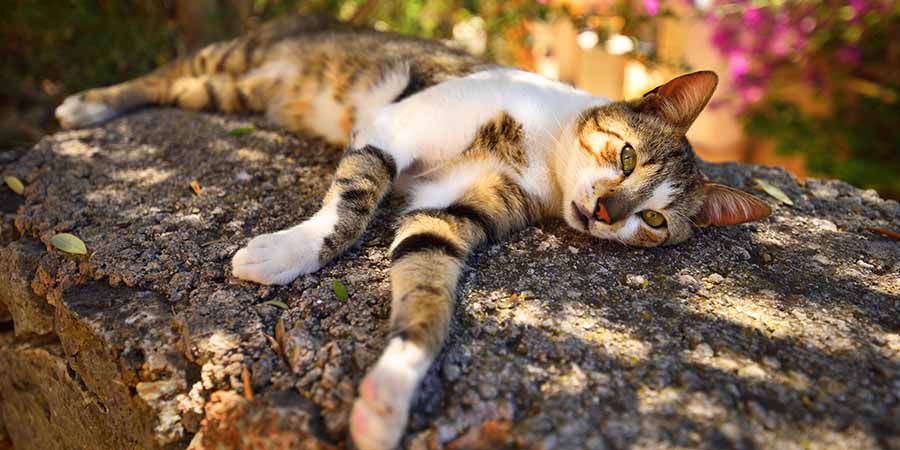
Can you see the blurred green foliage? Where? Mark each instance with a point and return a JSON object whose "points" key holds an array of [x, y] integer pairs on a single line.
{"points": [[80, 44], [54, 47]]}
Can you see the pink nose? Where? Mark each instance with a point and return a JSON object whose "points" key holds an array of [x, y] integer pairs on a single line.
{"points": [[600, 212]]}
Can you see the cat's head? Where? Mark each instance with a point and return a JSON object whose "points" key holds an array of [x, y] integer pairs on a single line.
{"points": [[634, 176]]}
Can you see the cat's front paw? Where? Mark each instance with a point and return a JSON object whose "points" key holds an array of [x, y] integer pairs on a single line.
{"points": [[278, 258], [379, 414], [76, 112]]}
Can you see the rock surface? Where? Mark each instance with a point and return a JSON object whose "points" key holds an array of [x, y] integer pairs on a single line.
{"points": [[778, 334]]}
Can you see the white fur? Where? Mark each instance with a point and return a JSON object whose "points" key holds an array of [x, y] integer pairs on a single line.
{"points": [[278, 258], [275, 69], [325, 118], [368, 101], [440, 122], [632, 225], [74, 112], [448, 188], [596, 140], [379, 413], [660, 198]]}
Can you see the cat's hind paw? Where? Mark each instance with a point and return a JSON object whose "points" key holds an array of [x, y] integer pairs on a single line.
{"points": [[76, 112], [379, 415], [278, 258]]}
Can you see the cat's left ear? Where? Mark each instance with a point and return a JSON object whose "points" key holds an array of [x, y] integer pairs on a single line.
{"points": [[681, 100], [723, 205]]}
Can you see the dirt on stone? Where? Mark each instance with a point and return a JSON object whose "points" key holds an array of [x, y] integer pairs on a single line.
{"points": [[779, 334]]}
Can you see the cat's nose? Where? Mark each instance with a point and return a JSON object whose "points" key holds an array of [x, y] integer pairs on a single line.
{"points": [[601, 212]]}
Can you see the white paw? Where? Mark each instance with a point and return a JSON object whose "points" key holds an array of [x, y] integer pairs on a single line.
{"points": [[74, 112], [280, 257], [379, 414]]}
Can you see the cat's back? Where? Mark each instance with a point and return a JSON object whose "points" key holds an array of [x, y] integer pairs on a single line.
{"points": [[321, 41]]}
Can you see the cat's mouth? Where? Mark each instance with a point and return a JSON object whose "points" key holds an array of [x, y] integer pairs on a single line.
{"points": [[581, 216]]}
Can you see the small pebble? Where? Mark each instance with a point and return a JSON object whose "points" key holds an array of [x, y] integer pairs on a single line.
{"points": [[715, 278], [688, 281], [451, 372], [703, 351], [573, 250], [822, 259], [636, 281], [742, 254], [864, 265], [752, 371]]}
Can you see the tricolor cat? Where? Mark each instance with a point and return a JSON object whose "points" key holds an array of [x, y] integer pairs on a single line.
{"points": [[480, 150]]}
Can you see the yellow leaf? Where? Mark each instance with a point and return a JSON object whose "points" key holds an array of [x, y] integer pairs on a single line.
{"points": [[69, 244], [773, 191], [195, 185], [15, 184]]}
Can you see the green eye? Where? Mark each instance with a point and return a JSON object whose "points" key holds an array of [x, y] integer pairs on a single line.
{"points": [[629, 159], [653, 218]]}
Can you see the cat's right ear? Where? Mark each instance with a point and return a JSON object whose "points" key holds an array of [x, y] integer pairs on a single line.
{"points": [[681, 100], [723, 205]]}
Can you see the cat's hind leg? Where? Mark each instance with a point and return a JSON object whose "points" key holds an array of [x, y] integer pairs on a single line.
{"points": [[95, 106], [362, 180], [428, 255], [206, 79]]}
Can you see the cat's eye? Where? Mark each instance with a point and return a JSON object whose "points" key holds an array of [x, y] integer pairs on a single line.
{"points": [[629, 159], [653, 218]]}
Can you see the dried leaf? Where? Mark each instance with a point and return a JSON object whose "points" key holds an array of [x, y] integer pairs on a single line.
{"points": [[508, 302], [68, 243], [195, 186], [14, 183], [248, 388], [242, 131], [773, 191], [274, 344], [340, 291], [277, 304], [279, 337], [885, 232]]}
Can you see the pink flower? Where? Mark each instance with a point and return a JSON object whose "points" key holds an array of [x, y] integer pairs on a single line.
{"points": [[755, 18], [859, 6], [739, 65], [780, 42], [652, 7], [751, 94]]}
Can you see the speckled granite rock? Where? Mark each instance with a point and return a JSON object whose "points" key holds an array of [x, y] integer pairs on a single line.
{"points": [[778, 334]]}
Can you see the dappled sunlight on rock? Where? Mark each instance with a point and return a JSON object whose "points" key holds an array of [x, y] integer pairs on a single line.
{"points": [[250, 155], [144, 177], [775, 334], [77, 149]]}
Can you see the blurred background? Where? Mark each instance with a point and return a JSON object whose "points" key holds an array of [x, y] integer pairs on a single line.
{"points": [[809, 85]]}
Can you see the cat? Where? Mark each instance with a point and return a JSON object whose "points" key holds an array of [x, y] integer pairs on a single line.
{"points": [[480, 150]]}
